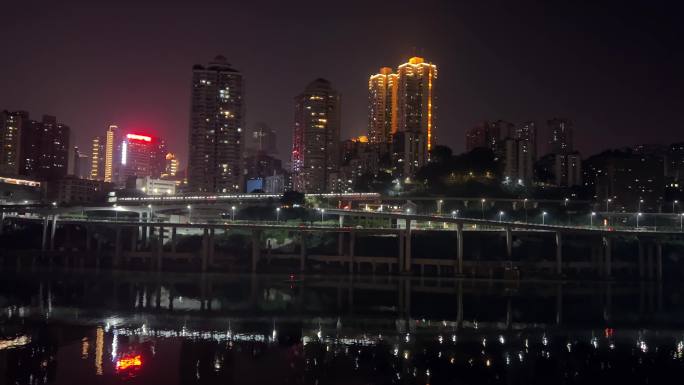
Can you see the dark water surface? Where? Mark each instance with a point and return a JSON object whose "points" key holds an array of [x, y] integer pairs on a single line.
{"points": [[61, 327]]}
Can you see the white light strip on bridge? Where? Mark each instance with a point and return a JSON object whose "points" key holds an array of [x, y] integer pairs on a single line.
{"points": [[240, 196]]}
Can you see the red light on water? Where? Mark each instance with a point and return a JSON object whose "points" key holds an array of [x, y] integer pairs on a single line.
{"points": [[128, 362], [144, 138]]}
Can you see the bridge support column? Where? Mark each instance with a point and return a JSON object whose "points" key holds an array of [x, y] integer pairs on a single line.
{"points": [[352, 246], [459, 248], [256, 249], [400, 265], [649, 262], [173, 239], [340, 243], [302, 251], [88, 235], [53, 230], [640, 245], [117, 249], [205, 249], [407, 252], [212, 248], [659, 260], [509, 241], [160, 248], [608, 254], [45, 234], [559, 253]]}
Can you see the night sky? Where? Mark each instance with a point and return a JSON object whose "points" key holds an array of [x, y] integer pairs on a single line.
{"points": [[614, 69]]}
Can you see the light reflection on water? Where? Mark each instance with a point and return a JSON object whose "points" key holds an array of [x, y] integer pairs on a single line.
{"points": [[65, 328]]}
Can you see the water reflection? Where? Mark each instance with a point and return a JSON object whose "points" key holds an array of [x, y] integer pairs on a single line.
{"points": [[60, 328]]}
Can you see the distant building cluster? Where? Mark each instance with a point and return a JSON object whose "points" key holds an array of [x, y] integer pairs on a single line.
{"points": [[227, 156]]}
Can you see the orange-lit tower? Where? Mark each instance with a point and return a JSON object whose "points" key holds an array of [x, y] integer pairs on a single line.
{"points": [[382, 107], [415, 117]]}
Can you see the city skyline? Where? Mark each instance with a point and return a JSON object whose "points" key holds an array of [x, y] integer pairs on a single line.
{"points": [[481, 79]]}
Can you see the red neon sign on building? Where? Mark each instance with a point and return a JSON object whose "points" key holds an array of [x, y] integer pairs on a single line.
{"points": [[144, 138]]}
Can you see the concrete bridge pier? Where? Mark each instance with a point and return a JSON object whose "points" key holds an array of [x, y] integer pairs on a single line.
{"points": [[302, 251], [400, 238], [53, 230], [509, 242], [608, 256], [649, 262], [352, 246], [160, 248], [640, 245], [340, 242], [459, 249], [407, 252], [117, 250], [559, 253], [256, 249], [134, 239], [212, 247], [659, 260], [45, 234], [173, 240], [205, 249]]}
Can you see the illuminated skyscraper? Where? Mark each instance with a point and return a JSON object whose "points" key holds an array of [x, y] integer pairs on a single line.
{"points": [[216, 124], [415, 117], [316, 139], [44, 149], [171, 166], [111, 152], [382, 107], [140, 157], [561, 136], [10, 145], [97, 156]]}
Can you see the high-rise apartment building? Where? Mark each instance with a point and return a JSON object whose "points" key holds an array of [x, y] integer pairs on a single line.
{"points": [[261, 139], [415, 117], [97, 155], [526, 137], [105, 156], [316, 137], [10, 140], [44, 149], [111, 154], [561, 131], [171, 166], [140, 157], [80, 163], [216, 123], [382, 108]]}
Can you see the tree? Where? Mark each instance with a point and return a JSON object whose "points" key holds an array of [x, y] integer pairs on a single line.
{"points": [[291, 198]]}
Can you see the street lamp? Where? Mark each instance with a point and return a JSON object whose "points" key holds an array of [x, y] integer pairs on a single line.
{"points": [[482, 204], [640, 202], [277, 214], [591, 219], [637, 218], [566, 201], [525, 208], [232, 213], [675, 202], [189, 213], [607, 203], [322, 215], [454, 214], [501, 214], [439, 206], [149, 212], [544, 217]]}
